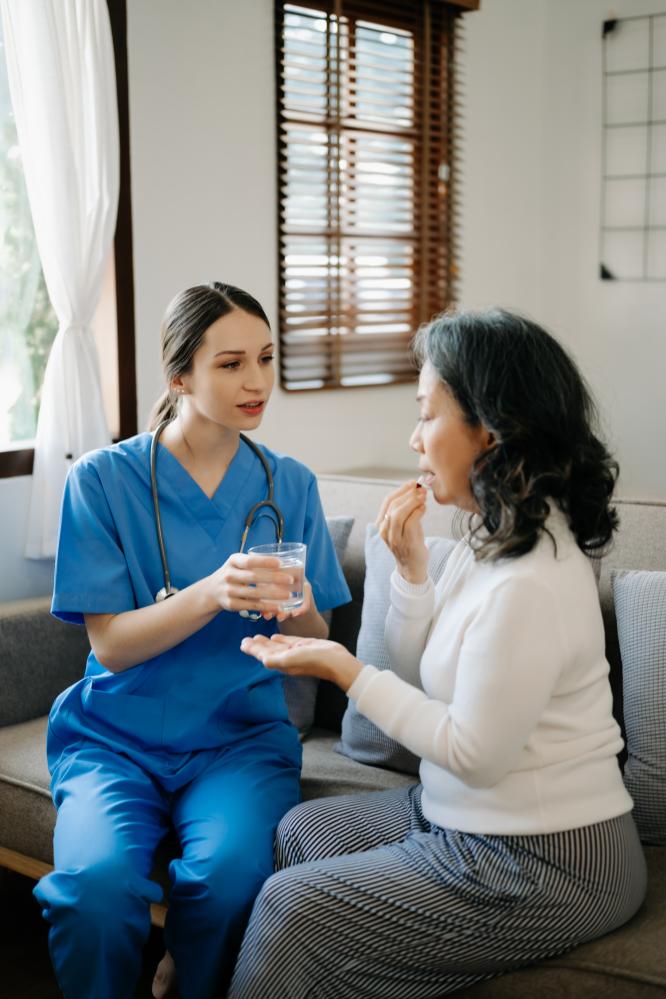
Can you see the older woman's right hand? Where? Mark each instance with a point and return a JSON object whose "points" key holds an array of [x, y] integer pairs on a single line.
{"points": [[400, 526]]}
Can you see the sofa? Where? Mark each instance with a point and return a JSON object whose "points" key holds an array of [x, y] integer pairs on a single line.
{"points": [[39, 656]]}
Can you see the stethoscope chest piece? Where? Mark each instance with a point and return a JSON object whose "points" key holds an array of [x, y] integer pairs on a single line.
{"points": [[165, 593]]}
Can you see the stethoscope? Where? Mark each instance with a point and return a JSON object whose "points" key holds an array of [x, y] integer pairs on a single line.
{"points": [[168, 590]]}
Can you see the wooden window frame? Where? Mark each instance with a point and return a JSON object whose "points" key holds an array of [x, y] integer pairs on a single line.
{"points": [[433, 268], [14, 462]]}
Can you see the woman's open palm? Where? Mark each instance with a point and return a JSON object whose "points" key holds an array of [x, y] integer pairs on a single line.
{"points": [[305, 657]]}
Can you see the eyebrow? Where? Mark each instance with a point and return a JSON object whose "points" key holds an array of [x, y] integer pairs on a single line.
{"points": [[240, 353]]}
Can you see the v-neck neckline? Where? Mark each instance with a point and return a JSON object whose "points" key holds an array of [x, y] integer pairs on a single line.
{"points": [[210, 512], [193, 481]]}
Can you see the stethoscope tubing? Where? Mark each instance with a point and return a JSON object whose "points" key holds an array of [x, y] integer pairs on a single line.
{"points": [[168, 590]]}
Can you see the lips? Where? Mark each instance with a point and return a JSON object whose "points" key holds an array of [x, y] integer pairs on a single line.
{"points": [[426, 479], [253, 407]]}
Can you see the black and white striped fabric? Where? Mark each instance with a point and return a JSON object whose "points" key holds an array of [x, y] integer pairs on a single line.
{"points": [[640, 609], [372, 902]]}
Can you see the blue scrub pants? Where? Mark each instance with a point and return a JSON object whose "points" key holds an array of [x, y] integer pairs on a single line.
{"points": [[112, 815]]}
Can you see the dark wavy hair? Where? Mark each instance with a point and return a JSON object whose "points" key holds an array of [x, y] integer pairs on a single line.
{"points": [[184, 326], [511, 376]]}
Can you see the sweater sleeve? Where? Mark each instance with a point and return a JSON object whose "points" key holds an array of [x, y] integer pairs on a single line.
{"points": [[407, 625], [510, 659]]}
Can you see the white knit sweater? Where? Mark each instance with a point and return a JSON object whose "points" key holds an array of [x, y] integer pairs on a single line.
{"points": [[500, 685]]}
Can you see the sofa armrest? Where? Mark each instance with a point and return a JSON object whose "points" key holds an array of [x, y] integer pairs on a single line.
{"points": [[39, 657]]}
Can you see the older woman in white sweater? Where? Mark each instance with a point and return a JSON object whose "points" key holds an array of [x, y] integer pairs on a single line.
{"points": [[518, 842]]}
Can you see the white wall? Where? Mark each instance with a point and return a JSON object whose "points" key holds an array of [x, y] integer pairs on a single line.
{"points": [[204, 198], [617, 330], [203, 188], [502, 160], [532, 212], [19, 577]]}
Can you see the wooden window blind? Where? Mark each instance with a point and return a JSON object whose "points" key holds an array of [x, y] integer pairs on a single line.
{"points": [[366, 132]]}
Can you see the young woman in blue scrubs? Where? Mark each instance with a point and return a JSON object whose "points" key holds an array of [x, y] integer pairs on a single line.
{"points": [[172, 725]]}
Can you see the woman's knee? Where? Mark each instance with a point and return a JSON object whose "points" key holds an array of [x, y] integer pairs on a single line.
{"points": [[280, 906], [90, 894], [295, 837]]}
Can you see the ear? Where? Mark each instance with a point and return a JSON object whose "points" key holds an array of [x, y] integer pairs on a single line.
{"points": [[177, 385], [489, 439]]}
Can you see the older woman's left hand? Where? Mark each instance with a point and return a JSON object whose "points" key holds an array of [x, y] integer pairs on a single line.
{"points": [[305, 657]]}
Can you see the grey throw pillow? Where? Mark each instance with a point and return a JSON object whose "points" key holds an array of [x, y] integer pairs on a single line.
{"points": [[301, 691], [640, 611], [360, 738]]}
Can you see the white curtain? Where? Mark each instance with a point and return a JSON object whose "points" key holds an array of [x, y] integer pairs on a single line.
{"points": [[62, 84]]}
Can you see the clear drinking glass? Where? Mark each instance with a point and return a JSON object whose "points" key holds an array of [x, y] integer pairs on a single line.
{"points": [[292, 559]]}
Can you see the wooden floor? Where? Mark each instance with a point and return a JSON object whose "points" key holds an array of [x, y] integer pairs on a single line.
{"points": [[25, 967]]}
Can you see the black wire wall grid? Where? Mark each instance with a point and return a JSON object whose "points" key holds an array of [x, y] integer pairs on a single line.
{"points": [[633, 203]]}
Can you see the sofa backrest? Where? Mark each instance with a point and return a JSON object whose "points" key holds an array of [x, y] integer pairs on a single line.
{"points": [[639, 544], [58, 651], [39, 657]]}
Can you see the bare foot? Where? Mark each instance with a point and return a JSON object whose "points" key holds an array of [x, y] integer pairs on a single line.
{"points": [[164, 982]]}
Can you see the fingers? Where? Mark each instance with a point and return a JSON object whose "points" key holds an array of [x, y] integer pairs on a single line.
{"points": [[263, 598], [302, 656], [399, 513], [239, 560], [264, 650], [291, 640], [256, 643], [248, 577], [390, 499], [262, 642]]}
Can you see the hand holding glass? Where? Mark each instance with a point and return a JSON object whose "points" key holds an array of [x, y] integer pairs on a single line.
{"points": [[292, 561]]}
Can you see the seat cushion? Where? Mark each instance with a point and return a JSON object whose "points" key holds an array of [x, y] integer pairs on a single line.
{"points": [[27, 814], [628, 964], [326, 772]]}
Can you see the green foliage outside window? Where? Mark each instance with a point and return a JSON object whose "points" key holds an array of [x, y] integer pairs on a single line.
{"points": [[28, 324]]}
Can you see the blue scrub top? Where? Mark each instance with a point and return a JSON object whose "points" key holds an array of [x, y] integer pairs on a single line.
{"points": [[204, 693]]}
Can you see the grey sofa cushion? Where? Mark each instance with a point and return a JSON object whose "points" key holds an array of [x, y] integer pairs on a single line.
{"points": [[40, 657], [640, 608], [27, 814], [326, 773], [301, 691], [360, 739]]}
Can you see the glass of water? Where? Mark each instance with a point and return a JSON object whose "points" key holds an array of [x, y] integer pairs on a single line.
{"points": [[292, 561]]}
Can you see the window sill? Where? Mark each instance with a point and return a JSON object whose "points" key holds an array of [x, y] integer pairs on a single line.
{"points": [[16, 461]]}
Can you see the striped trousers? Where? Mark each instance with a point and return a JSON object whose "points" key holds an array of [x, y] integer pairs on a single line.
{"points": [[371, 901]]}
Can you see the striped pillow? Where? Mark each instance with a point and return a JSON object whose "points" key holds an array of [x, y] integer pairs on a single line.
{"points": [[640, 611]]}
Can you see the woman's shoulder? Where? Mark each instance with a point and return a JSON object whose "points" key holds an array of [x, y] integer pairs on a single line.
{"points": [[555, 562], [98, 462]]}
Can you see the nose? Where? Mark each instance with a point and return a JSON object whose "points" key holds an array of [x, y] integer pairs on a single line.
{"points": [[415, 442], [256, 378]]}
